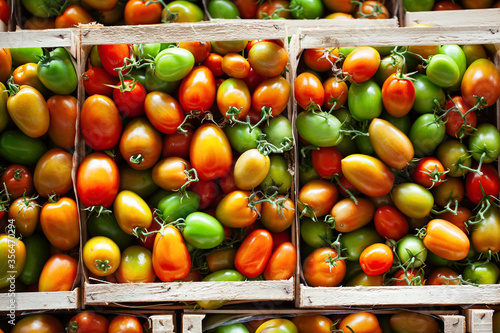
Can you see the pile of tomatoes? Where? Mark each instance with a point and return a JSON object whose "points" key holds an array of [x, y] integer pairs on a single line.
{"points": [[41, 14], [38, 210], [427, 5], [298, 9], [399, 180], [325, 323], [200, 168], [85, 321]]}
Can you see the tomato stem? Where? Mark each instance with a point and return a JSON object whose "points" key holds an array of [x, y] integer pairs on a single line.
{"points": [[190, 115], [191, 177], [136, 159], [97, 209], [307, 210], [266, 148], [72, 327], [447, 207], [377, 9]]}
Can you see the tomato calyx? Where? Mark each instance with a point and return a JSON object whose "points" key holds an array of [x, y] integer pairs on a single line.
{"points": [[72, 327], [102, 265], [191, 177], [277, 202], [266, 148], [98, 210], [53, 198], [376, 11], [12, 88], [307, 210]]}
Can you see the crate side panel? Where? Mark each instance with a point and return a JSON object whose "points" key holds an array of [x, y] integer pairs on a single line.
{"points": [[472, 17]]}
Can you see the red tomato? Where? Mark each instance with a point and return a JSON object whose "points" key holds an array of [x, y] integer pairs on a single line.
{"points": [[113, 56], [208, 190], [390, 223], [58, 273], [274, 8], [63, 114], [274, 93], [4, 11], [429, 172], [210, 152], [142, 12], [398, 95], [247, 8], [446, 5], [454, 119], [97, 180], [321, 59], [443, 276], [361, 64], [96, 81], [376, 259], [254, 253], [214, 62], [88, 322], [327, 161], [72, 17], [177, 144], [200, 50], [5, 64], [481, 79], [163, 111], [130, 101], [309, 91], [335, 93], [281, 265], [197, 90], [413, 277], [18, 180], [323, 268], [463, 214], [177, 264], [100, 122], [481, 184]]}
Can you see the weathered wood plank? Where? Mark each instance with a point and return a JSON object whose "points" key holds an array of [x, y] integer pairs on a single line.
{"points": [[453, 323], [178, 32], [192, 323], [317, 297], [294, 25], [471, 17], [60, 300], [314, 38], [102, 294], [163, 323], [479, 320], [37, 38]]}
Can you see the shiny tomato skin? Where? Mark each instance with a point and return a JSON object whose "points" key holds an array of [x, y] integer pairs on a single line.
{"points": [[58, 273], [335, 89], [136, 266], [361, 64], [428, 172], [481, 79], [482, 185], [254, 253], [442, 276], [327, 161], [368, 174], [350, 215], [398, 95], [131, 211], [101, 256], [390, 223], [97, 180], [72, 17], [274, 93], [25, 211], [26, 74], [177, 144], [60, 223], [18, 180], [376, 259], [139, 137], [5, 68], [29, 111], [361, 322], [96, 81], [455, 125], [130, 102], [197, 90], [141, 12], [214, 62], [320, 59], [278, 218], [317, 323], [318, 272], [233, 210], [320, 195], [234, 93], [308, 89], [281, 264], [39, 323], [268, 59], [113, 56], [446, 240], [200, 50], [100, 122], [63, 115], [369, 8], [416, 322], [178, 263], [88, 322], [52, 173], [125, 323], [210, 152], [163, 111]]}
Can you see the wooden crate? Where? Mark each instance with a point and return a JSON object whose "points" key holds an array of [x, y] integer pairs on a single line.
{"points": [[192, 322], [411, 296], [168, 294], [471, 17], [479, 320], [64, 300]]}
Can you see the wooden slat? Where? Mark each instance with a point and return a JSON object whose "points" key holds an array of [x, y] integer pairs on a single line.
{"points": [[102, 294], [294, 25], [314, 38], [24, 301], [453, 323], [317, 297], [192, 323], [471, 17], [163, 323], [179, 32], [479, 320], [38, 38]]}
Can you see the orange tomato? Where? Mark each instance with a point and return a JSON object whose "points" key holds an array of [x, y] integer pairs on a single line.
{"points": [[320, 195], [125, 324], [38, 323], [5, 64], [361, 322], [72, 16], [177, 264], [58, 274], [53, 173], [233, 210], [350, 216], [62, 127], [140, 12], [320, 269], [446, 240], [26, 75], [60, 223]]}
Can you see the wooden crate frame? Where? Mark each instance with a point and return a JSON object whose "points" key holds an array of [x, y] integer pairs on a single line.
{"points": [[168, 292], [411, 296], [480, 320], [60, 300], [192, 321]]}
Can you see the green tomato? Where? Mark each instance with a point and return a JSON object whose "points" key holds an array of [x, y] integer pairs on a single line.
{"points": [[437, 261], [315, 234], [443, 71], [426, 134], [278, 131], [364, 145], [412, 199], [146, 51], [307, 9], [37, 254], [106, 225], [56, 71], [223, 9], [222, 275], [138, 181], [481, 273], [308, 173], [241, 137], [388, 65], [474, 52], [320, 129], [21, 56], [279, 325], [354, 242], [411, 251], [418, 5], [344, 51], [425, 94], [95, 61], [137, 74], [458, 55], [278, 175], [17, 147], [157, 196], [173, 64], [365, 100], [154, 83], [486, 139], [42, 8], [182, 11], [231, 328], [203, 231], [175, 206]]}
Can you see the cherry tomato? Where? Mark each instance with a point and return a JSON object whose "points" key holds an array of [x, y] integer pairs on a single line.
{"points": [[58, 274], [18, 180], [101, 256], [322, 270], [335, 93], [390, 223]]}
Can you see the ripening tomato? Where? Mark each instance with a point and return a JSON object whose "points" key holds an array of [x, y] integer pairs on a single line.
{"points": [[26, 74], [281, 264], [163, 111], [40, 323], [446, 5], [142, 12], [319, 196], [18, 180], [210, 152], [372, 10], [482, 184], [481, 79], [309, 90], [335, 93], [458, 217], [413, 199], [52, 173], [63, 113], [278, 217], [327, 161], [446, 240], [97, 81], [360, 322], [29, 111], [324, 268], [398, 95], [273, 92], [100, 122], [6, 64], [274, 9], [129, 98], [25, 212], [177, 144], [72, 17], [234, 93], [131, 211], [361, 64], [268, 59], [279, 325], [97, 180], [251, 169], [237, 209], [485, 235], [200, 50], [214, 62], [99, 4], [101, 256], [350, 215], [197, 90], [376, 259], [413, 277], [88, 322], [414, 322], [113, 56], [390, 144], [442, 276], [177, 264], [58, 274], [320, 59], [125, 323], [60, 223], [454, 118], [170, 173], [136, 266], [13, 266], [429, 172], [254, 253], [317, 323], [140, 144]]}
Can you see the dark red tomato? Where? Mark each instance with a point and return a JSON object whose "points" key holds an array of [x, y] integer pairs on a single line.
{"points": [[253, 80], [97, 180], [177, 144], [142, 12], [481, 184], [326, 161], [18, 180], [88, 322], [214, 62], [96, 81], [398, 95], [376, 259], [130, 99], [208, 190], [100, 122], [280, 238], [254, 253], [309, 90], [247, 8], [390, 223], [454, 119], [113, 56], [4, 11], [447, 5], [429, 172], [320, 59], [282, 263], [197, 90], [443, 276], [226, 182]]}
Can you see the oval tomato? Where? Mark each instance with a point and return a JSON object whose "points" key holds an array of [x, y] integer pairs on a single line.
{"points": [[113, 56], [273, 93], [18, 180], [376, 259], [136, 266], [63, 113], [390, 144], [58, 274], [100, 122], [322, 270], [349, 215], [197, 90], [29, 111], [60, 223], [446, 240], [319, 196], [317, 323], [361, 322], [481, 79], [429, 172], [88, 321], [398, 95], [163, 111], [140, 144], [268, 59], [251, 169], [309, 90], [125, 323], [254, 253], [177, 264], [282, 263], [234, 93], [482, 184], [42, 323], [361, 64], [131, 212], [390, 223], [412, 199], [25, 212], [52, 173], [234, 210]]}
